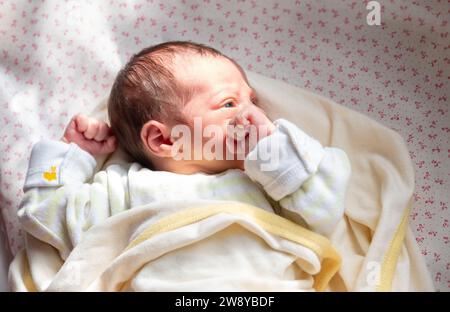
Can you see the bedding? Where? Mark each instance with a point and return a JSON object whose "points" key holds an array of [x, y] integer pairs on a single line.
{"points": [[205, 246], [191, 244], [58, 59]]}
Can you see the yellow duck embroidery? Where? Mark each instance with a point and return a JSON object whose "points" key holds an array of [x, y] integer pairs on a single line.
{"points": [[50, 176]]}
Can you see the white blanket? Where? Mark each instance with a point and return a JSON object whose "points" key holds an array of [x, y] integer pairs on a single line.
{"points": [[207, 246], [377, 249]]}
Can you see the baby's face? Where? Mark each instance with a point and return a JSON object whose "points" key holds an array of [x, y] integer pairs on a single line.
{"points": [[222, 91]]}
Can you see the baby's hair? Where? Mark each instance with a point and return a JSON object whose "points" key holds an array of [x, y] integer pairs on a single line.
{"points": [[146, 89]]}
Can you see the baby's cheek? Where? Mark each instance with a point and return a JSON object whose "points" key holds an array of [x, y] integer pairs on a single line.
{"points": [[217, 136], [215, 127]]}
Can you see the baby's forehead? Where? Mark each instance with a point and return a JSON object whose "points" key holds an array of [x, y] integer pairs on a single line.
{"points": [[201, 73]]}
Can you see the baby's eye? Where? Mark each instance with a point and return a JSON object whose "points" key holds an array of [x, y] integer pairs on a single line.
{"points": [[228, 104]]}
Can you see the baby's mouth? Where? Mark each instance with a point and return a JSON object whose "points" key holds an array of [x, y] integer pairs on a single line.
{"points": [[237, 148]]}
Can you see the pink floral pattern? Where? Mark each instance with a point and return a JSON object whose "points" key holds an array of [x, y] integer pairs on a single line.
{"points": [[60, 57]]}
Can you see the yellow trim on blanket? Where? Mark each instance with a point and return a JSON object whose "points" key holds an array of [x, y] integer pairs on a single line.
{"points": [[272, 223], [391, 257]]}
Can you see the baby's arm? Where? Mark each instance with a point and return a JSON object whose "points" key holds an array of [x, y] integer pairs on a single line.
{"points": [[59, 195], [303, 176]]}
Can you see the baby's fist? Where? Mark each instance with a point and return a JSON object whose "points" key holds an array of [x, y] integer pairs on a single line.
{"points": [[92, 135], [251, 116]]}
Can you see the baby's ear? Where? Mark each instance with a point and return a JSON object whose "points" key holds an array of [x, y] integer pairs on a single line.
{"points": [[155, 137]]}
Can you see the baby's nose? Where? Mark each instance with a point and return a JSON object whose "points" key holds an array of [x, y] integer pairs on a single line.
{"points": [[247, 103]]}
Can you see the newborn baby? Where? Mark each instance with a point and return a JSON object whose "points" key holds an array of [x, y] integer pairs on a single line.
{"points": [[165, 88]]}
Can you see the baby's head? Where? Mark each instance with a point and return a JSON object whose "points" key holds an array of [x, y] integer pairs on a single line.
{"points": [[171, 84]]}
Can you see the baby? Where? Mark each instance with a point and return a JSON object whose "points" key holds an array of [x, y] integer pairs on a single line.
{"points": [[195, 87]]}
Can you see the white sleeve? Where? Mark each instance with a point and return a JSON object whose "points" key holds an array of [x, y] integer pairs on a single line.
{"points": [[61, 201], [55, 163], [306, 178]]}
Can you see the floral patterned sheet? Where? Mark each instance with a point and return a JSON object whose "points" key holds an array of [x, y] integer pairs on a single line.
{"points": [[58, 58]]}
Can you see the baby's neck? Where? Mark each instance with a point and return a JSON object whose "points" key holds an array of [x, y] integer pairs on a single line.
{"points": [[180, 168], [188, 168]]}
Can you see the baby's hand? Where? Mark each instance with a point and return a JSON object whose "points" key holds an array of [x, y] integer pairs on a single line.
{"points": [[248, 127], [93, 136], [251, 116]]}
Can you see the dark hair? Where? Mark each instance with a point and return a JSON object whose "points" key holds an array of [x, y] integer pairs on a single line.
{"points": [[146, 89]]}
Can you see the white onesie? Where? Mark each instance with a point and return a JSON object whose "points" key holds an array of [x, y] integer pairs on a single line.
{"points": [[62, 200]]}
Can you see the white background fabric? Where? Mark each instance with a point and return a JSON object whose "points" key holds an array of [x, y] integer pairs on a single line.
{"points": [[60, 58]]}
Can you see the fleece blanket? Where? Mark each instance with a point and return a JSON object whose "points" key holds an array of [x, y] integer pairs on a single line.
{"points": [[209, 245], [372, 248]]}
